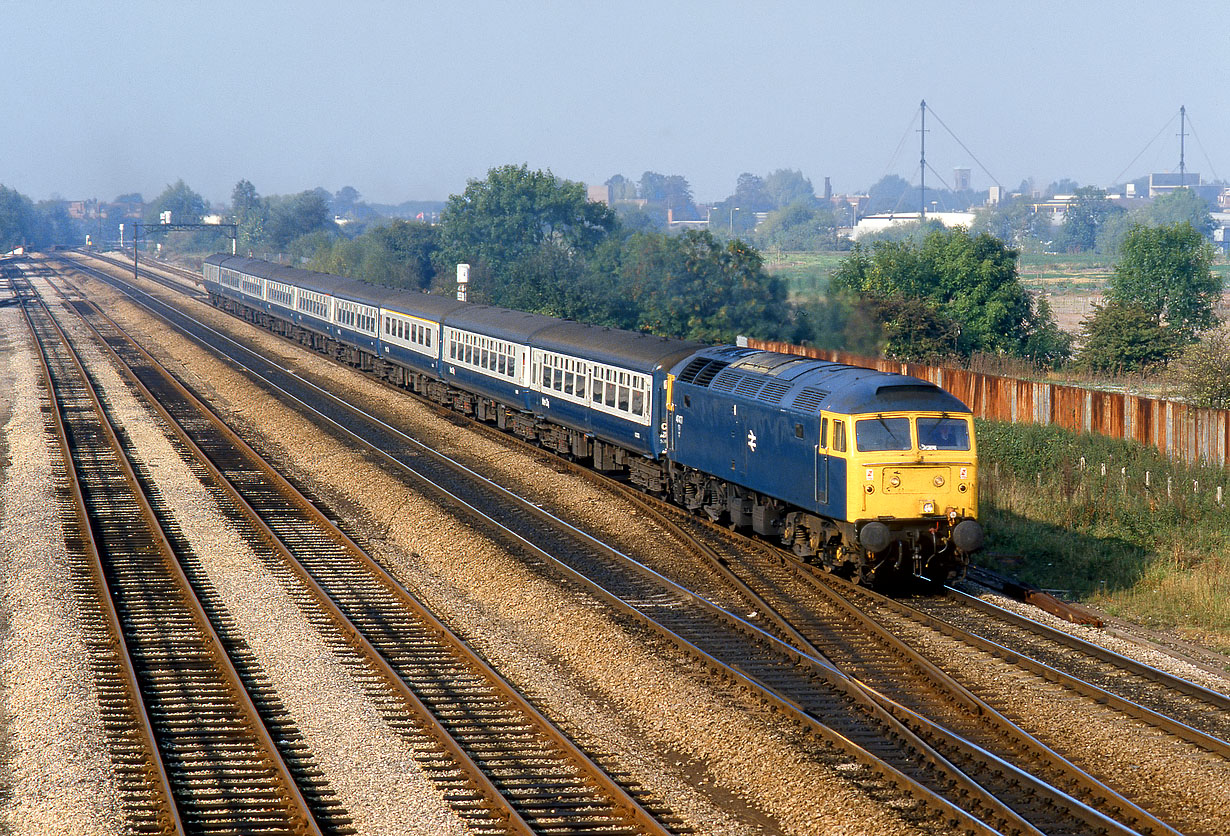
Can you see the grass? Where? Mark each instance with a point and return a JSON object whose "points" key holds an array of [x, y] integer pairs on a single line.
{"points": [[1151, 548], [806, 274]]}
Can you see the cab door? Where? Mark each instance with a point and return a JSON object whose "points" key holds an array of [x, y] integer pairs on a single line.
{"points": [[822, 464]]}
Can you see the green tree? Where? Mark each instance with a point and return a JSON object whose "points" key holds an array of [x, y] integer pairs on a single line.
{"points": [[888, 194], [1202, 372], [514, 211], [1084, 217], [18, 221], [1167, 271], [294, 216], [185, 205], [1123, 337], [1181, 205], [801, 225], [621, 188], [967, 279], [786, 187], [399, 254], [1014, 221], [693, 286], [249, 214]]}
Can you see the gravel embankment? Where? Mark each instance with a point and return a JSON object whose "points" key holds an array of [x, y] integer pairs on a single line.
{"points": [[55, 770], [718, 761]]}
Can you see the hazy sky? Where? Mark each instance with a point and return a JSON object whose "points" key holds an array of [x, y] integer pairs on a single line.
{"points": [[408, 99]]}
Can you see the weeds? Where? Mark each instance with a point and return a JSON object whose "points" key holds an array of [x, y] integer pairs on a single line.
{"points": [[1109, 521]]}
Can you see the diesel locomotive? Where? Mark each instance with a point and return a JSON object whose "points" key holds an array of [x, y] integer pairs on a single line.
{"points": [[867, 473]]}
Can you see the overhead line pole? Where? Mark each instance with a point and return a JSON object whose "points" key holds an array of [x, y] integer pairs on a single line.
{"points": [[922, 165], [1182, 136]]}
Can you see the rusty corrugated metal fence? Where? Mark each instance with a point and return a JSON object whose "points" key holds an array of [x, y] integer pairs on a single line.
{"points": [[1177, 429]]}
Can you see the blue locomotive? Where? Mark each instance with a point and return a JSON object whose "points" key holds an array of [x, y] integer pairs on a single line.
{"points": [[868, 473]]}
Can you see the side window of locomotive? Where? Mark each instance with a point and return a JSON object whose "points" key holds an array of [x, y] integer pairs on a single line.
{"points": [[882, 434], [798, 430], [943, 434], [824, 432], [839, 436]]}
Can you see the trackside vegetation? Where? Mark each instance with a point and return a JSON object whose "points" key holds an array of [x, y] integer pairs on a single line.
{"points": [[1111, 522]]}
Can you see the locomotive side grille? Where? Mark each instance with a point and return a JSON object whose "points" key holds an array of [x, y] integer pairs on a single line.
{"points": [[774, 390], [810, 398]]}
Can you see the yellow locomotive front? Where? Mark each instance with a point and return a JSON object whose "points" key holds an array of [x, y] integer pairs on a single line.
{"points": [[912, 492]]}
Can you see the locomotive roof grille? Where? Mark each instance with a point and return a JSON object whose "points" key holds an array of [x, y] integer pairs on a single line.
{"points": [[726, 381], [774, 390], [701, 371], [810, 398], [749, 387]]}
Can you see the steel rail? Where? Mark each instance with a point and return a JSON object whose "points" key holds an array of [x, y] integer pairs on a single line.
{"points": [[167, 819], [1215, 699], [352, 633], [1129, 813], [303, 819], [958, 778]]}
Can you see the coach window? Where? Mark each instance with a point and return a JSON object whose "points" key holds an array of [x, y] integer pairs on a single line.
{"points": [[839, 436], [581, 376], [638, 402]]}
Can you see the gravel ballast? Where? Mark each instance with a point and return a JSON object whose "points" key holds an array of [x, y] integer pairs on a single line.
{"points": [[368, 764], [56, 768], [720, 763], [715, 758]]}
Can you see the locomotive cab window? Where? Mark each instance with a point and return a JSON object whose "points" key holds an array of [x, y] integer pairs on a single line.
{"points": [[943, 434], [798, 430], [882, 434], [824, 432], [839, 436]]}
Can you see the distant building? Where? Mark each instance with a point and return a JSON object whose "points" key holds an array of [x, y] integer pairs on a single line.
{"points": [[1167, 181], [599, 194], [960, 179], [879, 223]]}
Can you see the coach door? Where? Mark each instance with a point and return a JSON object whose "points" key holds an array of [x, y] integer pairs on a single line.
{"points": [[822, 465]]}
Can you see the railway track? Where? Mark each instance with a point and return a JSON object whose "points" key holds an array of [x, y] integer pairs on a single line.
{"points": [[192, 751], [503, 766], [1189, 711], [775, 680]]}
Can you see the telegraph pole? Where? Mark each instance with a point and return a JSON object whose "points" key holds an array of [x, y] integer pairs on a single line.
{"points": [[1182, 136], [922, 165]]}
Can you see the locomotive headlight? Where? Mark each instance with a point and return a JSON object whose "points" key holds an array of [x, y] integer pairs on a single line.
{"points": [[928, 507], [939, 481], [895, 481]]}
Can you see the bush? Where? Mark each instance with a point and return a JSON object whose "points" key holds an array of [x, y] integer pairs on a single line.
{"points": [[1202, 373]]}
